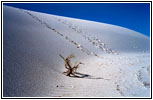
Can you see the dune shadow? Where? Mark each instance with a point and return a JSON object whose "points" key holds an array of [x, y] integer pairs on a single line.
{"points": [[86, 76]]}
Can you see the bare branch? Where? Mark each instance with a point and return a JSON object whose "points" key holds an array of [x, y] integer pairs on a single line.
{"points": [[70, 70]]}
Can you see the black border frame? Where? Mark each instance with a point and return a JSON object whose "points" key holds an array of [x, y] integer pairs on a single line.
{"points": [[76, 2]]}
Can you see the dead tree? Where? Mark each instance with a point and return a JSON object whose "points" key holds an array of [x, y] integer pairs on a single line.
{"points": [[67, 63]]}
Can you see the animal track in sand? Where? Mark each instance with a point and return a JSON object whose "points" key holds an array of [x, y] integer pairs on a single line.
{"points": [[79, 46], [92, 39], [141, 78], [118, 88]]}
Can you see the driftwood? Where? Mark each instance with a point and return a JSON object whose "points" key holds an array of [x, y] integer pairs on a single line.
{"points": [[67, 63]]}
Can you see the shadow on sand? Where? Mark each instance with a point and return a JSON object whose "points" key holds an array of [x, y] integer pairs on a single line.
{"points": [[86, 76]]}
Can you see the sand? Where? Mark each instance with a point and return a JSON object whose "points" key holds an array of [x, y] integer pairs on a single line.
{"points": [[116, 59]]}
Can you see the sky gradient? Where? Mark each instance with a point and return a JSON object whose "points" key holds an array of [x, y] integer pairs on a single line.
{"points": [[135, 16]]}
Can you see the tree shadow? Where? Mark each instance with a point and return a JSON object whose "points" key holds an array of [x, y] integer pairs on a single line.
{"points": [[80, 75], [86, 76]]}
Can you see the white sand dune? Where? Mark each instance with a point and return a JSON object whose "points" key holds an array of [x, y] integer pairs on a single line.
{"points": [[116, 60]]}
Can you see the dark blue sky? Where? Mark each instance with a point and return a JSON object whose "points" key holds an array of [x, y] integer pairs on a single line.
{"points": [[135, 16]]}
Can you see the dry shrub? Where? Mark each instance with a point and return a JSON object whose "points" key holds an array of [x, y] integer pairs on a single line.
{"points": [[71, 70]]}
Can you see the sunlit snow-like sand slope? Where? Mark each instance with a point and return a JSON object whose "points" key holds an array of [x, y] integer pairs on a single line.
{"points": [[116, 60]]}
